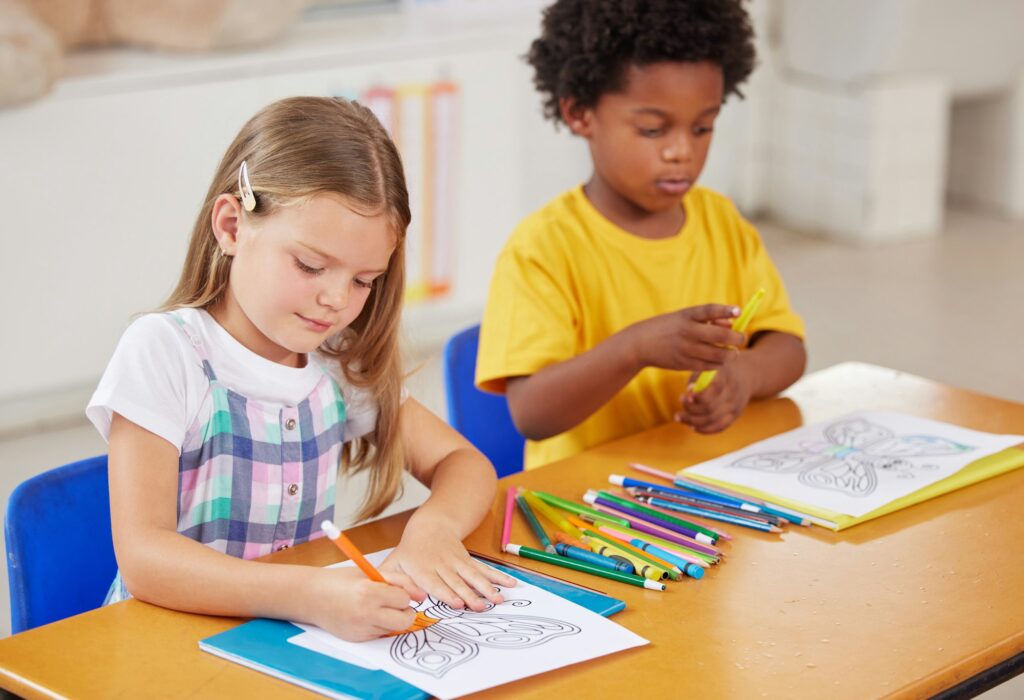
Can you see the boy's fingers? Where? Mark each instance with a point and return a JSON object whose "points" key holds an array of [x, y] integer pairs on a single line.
{"points": [[712, 312]]}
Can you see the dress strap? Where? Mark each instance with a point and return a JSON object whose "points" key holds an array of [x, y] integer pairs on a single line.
{"points": [[197, 344]]}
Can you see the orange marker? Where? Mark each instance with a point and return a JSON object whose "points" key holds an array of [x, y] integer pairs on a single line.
{"points": [[352, 552]]}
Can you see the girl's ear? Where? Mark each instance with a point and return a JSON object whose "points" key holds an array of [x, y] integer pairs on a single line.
{"points": [[577, 118], [227, 213]]}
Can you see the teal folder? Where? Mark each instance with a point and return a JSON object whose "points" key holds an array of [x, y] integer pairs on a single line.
{"points": [[263, 645]]}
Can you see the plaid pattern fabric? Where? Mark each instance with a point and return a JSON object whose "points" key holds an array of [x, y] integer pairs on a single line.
{"points": [[256, 477]]}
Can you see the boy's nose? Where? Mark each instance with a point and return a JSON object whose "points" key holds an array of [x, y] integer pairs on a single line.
{"points": [[679, 150]]}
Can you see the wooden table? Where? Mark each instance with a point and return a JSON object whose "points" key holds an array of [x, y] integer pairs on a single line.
{"points": [[908, 605]]}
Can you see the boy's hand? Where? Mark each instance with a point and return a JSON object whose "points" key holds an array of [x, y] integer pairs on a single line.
{"points": [[347, 604], [696, 338], [433, 556], [715, 408]]}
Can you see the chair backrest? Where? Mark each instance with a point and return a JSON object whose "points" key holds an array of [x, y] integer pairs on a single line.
{"points": [[483, 418], [60, 555]]}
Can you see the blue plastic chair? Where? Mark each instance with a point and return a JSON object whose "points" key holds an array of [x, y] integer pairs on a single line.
{"points": [[60, 555], [483, 418]]}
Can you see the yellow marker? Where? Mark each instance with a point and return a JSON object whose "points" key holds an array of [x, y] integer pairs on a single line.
{"points": [[739, 325]]}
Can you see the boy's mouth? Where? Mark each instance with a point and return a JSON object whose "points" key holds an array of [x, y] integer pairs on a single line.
{"points": [[673, 186]]}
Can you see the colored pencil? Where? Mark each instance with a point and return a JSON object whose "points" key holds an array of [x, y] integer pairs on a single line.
{"points": [[761, 516], [575, 508], [540, 555], [352, 552], [552, 515], [563, 538], [696, 521], [691, 570], [580, 554], [510, 504], [626, 482], [644, 513], [669, 567], [532, 572], [794, 516], [641, 567], [545, 541], [724, 517], [672, 536], [673, 571], [701, 560]]}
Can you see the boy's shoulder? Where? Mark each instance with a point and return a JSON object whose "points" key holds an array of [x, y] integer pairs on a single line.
{"points": [[560, 216]]}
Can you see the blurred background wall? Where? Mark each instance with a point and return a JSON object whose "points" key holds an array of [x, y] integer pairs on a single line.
{"points": [[863, 119]]}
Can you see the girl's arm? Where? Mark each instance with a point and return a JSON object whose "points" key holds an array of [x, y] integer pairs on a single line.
{"points": [[462, 486], [163, 567]]}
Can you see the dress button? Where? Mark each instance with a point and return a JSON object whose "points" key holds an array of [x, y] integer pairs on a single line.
{"points": [[289, 424], [284, 546], [293, 489]]}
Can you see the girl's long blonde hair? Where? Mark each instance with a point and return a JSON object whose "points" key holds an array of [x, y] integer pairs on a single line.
{"points": [[294, 149]]}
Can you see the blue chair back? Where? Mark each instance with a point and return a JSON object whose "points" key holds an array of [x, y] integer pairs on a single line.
{"points": [[60, 555], [483, 418]]}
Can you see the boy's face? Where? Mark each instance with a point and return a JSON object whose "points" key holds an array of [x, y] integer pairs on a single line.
{"points": [[649, 141]]}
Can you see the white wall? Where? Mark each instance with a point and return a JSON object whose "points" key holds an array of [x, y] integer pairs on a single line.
{"points": [[100, 182]]}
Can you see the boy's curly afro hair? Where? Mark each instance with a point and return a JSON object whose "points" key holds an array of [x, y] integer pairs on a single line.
{"points": [[586, 46]]}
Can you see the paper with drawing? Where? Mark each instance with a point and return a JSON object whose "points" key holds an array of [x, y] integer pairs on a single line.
{"points": [[856, 463], [531, 632]]}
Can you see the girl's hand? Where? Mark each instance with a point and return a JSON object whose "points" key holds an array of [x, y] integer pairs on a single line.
{"points": [[715, 408], [433, 556], [347, 604], [695, 338]]}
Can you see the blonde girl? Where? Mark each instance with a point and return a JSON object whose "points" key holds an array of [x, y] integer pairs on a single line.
{"points": [[274, 362]]}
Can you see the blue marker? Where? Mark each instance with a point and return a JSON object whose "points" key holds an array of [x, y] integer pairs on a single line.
{"points": [[573, 552], [688, 567]]}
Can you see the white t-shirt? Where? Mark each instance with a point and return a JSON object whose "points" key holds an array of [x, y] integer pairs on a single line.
{"points": [[155, 378]]}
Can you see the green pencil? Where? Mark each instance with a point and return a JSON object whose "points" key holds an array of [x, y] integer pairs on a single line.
{"points": [[537, 555]]}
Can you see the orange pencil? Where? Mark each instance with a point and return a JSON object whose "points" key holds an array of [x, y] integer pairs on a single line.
{"points": [[352, 552]]}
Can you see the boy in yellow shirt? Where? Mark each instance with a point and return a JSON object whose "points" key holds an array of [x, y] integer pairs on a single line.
{"points": [[607, 300]]}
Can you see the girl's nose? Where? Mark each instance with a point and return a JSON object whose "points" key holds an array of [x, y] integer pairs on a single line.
{"points": [[335, 296]]}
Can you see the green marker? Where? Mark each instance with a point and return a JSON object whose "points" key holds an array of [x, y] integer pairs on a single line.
{"points": [[578, 509], [537, 555], [739, 325]]}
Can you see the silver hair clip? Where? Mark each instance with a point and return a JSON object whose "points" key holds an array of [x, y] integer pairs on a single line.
{"points": [[245, 188]]}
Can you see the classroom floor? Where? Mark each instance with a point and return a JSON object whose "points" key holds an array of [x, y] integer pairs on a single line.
{"points": [[946, 308]]}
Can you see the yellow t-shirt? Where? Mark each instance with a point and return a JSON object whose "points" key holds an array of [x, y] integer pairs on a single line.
{"points": [[568, 278]]}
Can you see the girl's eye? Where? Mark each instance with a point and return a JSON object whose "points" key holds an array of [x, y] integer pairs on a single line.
{"points": [[365, 284], [307, 269]]}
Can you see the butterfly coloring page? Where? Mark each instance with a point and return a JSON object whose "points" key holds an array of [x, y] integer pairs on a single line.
{"points": [[856, 463]]}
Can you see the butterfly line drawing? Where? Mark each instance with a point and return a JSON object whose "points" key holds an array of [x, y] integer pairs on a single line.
{"points": [[458, 635], [857, 450]]}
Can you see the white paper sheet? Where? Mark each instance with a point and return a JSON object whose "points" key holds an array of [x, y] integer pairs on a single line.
{"points": [[533, 631], [856, 463]]}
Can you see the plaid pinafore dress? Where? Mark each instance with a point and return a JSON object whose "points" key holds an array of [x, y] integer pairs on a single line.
{"points": [[255, 477]]}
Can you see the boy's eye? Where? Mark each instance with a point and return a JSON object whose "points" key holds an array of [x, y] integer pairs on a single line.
{"points": [[650, 133], [701, 130], [307, 269]]}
